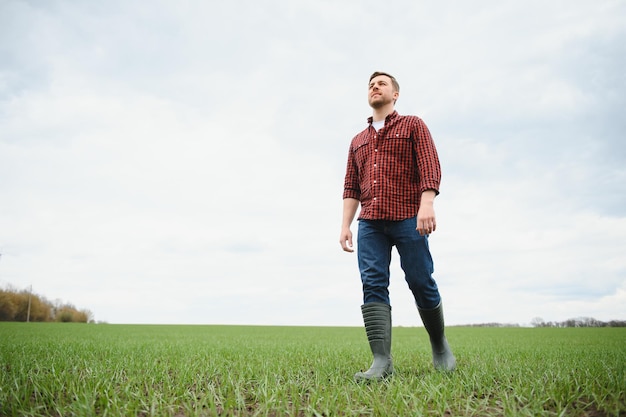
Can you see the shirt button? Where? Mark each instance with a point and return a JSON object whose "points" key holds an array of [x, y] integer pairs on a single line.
{"points": [[375, 150]]}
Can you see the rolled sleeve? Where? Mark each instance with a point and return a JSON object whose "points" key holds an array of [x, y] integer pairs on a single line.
{"points": [[427, 159], [351, 187]]}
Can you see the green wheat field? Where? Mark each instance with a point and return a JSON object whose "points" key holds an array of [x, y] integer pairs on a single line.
{"points": [[65, 369]]}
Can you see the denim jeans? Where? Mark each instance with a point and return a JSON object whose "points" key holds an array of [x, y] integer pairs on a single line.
{"points": [[374, 242]]}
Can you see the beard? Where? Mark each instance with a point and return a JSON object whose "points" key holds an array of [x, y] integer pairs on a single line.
{"points": [[379, 102]]}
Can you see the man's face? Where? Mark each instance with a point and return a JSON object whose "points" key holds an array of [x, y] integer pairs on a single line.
{"points": [[381, 92]]}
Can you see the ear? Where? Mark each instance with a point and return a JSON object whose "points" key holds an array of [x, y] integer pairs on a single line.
{"points": [[396, 94]]}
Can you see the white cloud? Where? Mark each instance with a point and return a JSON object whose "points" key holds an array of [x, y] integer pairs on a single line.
{"points": [[184, 163]]}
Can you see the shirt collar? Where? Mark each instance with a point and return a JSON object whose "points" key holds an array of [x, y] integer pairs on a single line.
{"points": [[390, 116]]}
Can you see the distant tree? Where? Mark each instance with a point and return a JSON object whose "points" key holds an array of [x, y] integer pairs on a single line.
{"points": [[8, 305], [588, 322], [67, 313], [39, 309], [537, 322], [88, 316], [577, 322], [23, 305]]}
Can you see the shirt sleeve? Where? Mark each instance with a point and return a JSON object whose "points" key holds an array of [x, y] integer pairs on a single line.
{"points": [[351, 188], [427, 158]]}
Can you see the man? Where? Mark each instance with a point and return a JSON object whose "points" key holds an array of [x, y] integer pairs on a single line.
{"points": [[393, 172]]}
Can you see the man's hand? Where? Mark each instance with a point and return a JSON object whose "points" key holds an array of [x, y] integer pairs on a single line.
{"points": [[350, 206], [426, 222], [346, 239]]}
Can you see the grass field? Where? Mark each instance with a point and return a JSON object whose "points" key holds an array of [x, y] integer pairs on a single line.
{"points": [[49, 369]]}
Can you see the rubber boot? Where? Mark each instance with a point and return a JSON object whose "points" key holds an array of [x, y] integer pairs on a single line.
{"points": [[377, 319], [443, 359]]}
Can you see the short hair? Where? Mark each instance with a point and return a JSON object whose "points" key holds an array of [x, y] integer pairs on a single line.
{"points": [[394, 82]]}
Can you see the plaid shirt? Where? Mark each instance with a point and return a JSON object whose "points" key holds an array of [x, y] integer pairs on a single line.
{"points": [[388, 170]]}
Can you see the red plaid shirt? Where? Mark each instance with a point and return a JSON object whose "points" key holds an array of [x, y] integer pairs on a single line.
{"points": [[388, 170]]}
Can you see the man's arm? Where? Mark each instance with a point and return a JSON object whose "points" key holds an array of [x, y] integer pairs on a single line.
{"points": [[350, 206], [426, 158], [426, 222], [430, 177]]}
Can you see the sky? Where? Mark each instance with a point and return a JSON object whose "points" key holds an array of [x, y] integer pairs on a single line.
{"points": [[182, 162]]}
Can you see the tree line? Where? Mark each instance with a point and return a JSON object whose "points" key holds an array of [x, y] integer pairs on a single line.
{"points": [[577, 322], [23, 305]]}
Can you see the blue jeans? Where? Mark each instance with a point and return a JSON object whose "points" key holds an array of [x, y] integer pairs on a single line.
{"points": [[374, 242]]}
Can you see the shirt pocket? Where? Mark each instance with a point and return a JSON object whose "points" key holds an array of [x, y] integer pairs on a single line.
{"points": [[359, 144], [361, 151], [399, 133], [398, 145]]}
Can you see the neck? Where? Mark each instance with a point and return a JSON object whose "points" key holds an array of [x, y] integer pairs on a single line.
{"points": [[382, 112]]}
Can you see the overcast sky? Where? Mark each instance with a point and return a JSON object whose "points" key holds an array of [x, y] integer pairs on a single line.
{"points": [[183, 161]]}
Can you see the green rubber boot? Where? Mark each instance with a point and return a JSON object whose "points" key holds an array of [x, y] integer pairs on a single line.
{"points": [[443, 359], [377, 319]]}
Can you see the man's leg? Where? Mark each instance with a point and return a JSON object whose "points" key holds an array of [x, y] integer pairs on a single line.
{"points": [[417, 263], [374, 255], [443, 359]]}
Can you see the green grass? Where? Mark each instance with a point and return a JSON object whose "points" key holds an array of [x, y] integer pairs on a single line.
{"points": [[54, 369]]}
